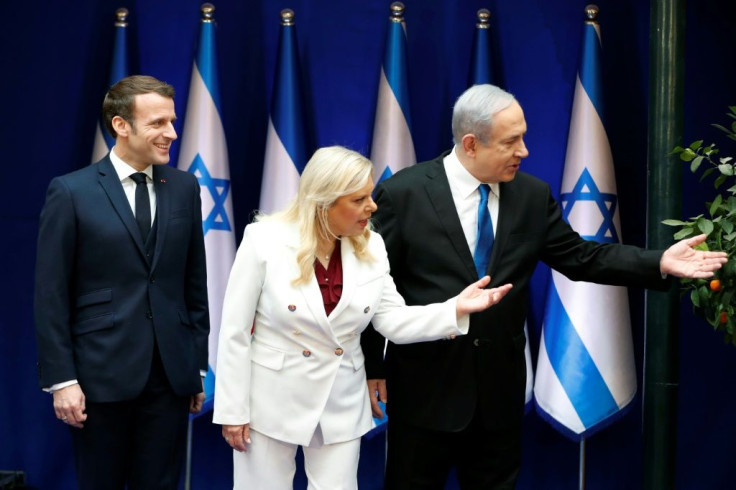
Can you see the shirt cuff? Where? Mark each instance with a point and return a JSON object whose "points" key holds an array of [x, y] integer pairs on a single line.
{"points": [[59, 386]]}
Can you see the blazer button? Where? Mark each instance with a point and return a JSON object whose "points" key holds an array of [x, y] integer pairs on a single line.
{"points": [[338, 351], [306, 353], [149, 314], [476, 342]]}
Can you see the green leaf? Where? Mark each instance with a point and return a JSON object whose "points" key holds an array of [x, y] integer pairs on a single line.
{"points": [[696, 163], [718, 126], [705, 226], [695, 145], [727, 226], [687, 155], [732, 108], [674, 222], [677, 150], [707, 172], [685, 232], [729, 237], [719, 181], [695, 298], [715, 205], [726, 169], [726, 159]]}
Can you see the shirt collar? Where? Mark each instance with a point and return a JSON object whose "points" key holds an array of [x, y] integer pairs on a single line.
{"points": [[463, 180], [124, 170]]}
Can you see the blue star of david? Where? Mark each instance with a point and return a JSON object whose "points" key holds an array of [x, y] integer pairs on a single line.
{"points": [[586, 190], [218, 189]]}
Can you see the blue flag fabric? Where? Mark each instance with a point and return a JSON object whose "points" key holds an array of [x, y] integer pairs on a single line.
{"points": [[393, 148], [481, 72], [118, 69], [586, 376], [286, 141], [204, 153]]}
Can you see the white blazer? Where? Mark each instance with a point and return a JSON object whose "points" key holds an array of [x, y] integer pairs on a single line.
{"points": [[283, 365]]}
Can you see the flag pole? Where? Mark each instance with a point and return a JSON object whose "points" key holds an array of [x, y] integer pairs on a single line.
{"points": [[581, 471]]}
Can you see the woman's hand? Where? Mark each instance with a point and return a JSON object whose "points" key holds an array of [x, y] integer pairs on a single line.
{"points": [[237, 436], [474, 298]]}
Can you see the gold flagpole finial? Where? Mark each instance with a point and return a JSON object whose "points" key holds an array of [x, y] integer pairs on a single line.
{"points": [[591, 13], [397, 12], [208, 12], [121, 17], [287, 17], [484, 17]]}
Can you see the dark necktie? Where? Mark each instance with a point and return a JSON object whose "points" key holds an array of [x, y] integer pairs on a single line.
{"points": [[484, 241], [142, 204]]}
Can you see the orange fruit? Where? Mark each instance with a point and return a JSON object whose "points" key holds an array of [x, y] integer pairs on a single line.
{"points": [[715, 285], [724, 317]]}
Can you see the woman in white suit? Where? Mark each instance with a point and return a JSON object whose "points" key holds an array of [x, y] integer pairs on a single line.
{"points": [[305, 283]]}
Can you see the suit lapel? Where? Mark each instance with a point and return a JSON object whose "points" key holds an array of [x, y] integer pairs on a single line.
{"points": [[110, 182], [310, 291], [508, 213], [440, 196], [349, 276], [163, 206]]}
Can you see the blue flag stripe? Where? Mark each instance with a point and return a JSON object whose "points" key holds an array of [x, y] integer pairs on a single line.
{"points": [[207, 62], [118, 70], [287, 111], [481, 69], [578, 374], [590, 68], [394, 66]]}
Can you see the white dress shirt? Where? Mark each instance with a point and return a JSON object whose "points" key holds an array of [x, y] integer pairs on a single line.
{"points": [[464, 189]]}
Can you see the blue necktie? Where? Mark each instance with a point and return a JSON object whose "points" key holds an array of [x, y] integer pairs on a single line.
{"points": [[484, 241]]}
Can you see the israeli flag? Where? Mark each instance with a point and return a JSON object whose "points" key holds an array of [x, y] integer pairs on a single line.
{"points": [[393, 148], [286, 143], [585, 371], [481, 72], [204, 153], [118, 70]]}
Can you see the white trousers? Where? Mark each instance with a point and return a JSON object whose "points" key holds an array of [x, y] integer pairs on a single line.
{"points": [[270, 464]]}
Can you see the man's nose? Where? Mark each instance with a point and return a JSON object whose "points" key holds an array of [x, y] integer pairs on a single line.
{"points": [[170, 132]]}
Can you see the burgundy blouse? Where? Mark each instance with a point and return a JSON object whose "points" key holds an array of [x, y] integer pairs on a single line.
{"points": [[330, 281]]}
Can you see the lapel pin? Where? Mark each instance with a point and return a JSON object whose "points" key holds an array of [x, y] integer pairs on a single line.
{"points": [[163, 181], [292, 307]]}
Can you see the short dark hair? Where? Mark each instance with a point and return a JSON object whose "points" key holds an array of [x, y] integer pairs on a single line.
{"points": [[120, 99]]}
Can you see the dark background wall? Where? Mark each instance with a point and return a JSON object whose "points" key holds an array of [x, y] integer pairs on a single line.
{"points": [[54, 60]]}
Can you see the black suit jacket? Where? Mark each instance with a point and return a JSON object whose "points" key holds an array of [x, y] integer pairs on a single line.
{"points": [[102, 301], [438, 385]]}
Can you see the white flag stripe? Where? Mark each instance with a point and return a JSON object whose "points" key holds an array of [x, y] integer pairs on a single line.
{"points": [[529, 369], [100, 149], [392, 144], [585, 152], [280, 176]]}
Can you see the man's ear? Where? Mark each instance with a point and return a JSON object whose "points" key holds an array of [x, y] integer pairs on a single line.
{"points": [[469, 144], [121, 126]]}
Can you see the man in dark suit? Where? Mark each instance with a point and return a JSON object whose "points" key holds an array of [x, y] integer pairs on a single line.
{"points": [[459, 403], [121, 298]]}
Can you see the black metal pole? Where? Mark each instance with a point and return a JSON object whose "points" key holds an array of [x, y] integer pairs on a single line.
{"points": [[666, 66]]}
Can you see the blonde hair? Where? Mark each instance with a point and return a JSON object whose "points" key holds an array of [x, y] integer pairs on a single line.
{"points": [[331, 173]]}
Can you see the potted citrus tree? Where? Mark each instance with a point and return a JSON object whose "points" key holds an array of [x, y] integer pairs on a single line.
{"points": [[714, 299]]}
